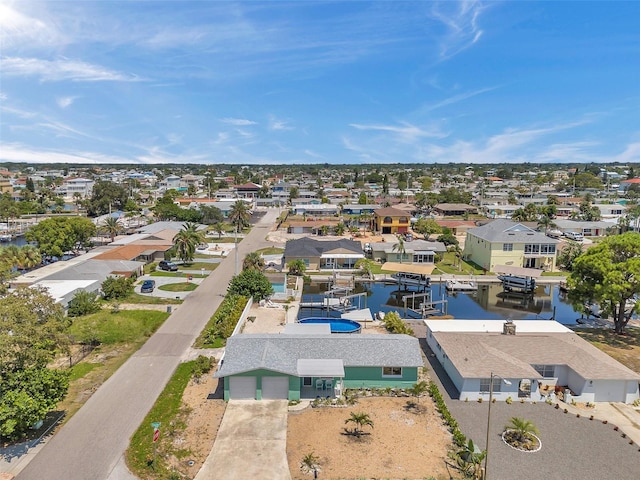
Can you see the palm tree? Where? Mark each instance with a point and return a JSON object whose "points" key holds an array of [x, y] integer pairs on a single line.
{"points": [[253, 261], [366, 267], [111, 227], [339, 229], [400, 248], [186, 241], [360, 420], [546, 222], [524, 430], [30, 257], [219, 229], [239, 215]]}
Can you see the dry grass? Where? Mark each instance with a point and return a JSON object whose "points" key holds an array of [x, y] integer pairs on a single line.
{"points": [[624, 348]]}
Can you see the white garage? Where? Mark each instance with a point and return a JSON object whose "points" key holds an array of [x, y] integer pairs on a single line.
{"points": [[275, 387], [609, 391], [242, 388]]}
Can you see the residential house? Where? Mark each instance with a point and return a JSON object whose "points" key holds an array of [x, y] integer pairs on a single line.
{"points": [[315, 209], [453, 209], [391, 220], [587, 229], [356, 209], [417, 251], [324, 254], [313, 227], [247, 190], [530, 355], [504, 242], [295, 366]]}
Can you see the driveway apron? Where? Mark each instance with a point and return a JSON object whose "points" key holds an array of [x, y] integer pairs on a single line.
{"points": [[251, 442]]}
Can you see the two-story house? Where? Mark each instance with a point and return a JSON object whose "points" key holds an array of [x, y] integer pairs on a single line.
{"points": [[506, 243], [391, 220]]}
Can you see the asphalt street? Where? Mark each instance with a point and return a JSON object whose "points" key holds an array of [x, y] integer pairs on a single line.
{"points": [[91, 444]]}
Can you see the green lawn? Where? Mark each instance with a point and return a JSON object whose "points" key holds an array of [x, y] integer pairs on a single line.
{"points": [[178, 287], [81, 369], [198, 266], [178, 274], [127, 326], [450, 262], [215, 239], [270, 251], [139, 299]]}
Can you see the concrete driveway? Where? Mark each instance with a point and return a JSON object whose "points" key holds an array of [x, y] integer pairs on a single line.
{"points": [[251, 442]]}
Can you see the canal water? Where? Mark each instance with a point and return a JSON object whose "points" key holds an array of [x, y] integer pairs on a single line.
{"points": [[489, 302]]}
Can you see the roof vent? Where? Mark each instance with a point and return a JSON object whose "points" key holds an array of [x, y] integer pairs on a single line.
{"points": [[509, 328]]}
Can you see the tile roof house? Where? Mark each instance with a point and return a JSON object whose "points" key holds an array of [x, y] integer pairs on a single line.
{"points": [[504, 242], [294, 366], [528, 353], [391, 220]]}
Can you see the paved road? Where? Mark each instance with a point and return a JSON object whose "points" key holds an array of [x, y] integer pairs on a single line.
{"points": [[91, 444]]}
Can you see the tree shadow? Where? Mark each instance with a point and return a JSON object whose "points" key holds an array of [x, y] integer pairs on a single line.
{"points": [[20, 447]]}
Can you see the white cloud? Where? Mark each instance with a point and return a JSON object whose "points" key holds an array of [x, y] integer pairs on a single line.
{"points": [[313, 154], [64, 102], [238, 122], [461, 21], [455, 99], [18, 29], [174, 138], [15, 152], [63, 69], [405, 131], [279, 125]]}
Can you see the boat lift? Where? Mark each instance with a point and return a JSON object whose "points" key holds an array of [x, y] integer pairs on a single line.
{"points": [[425, 306]]}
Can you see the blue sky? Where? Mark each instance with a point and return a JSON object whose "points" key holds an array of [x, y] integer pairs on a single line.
{"points": [[319, 82]]}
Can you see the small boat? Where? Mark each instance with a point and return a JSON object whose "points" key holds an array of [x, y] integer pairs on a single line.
{"points": [[5, 237], [460, 286], [563, 287]]}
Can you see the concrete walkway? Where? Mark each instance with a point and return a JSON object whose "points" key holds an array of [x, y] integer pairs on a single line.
{"points": [[251, 442]]}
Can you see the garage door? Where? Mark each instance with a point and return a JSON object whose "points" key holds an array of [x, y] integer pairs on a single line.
{"points": [[609, 391], [275, 387], [242, 388]]}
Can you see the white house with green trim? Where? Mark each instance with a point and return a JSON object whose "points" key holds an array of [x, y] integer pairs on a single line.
{"points": [[295, 366]]}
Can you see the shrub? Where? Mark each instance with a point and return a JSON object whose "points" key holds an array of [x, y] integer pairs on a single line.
{"points": [[394, 324], [225, 319], [509, 401], [83, 303], [458, 437], [251, 283], [202, 365], [116, 287]]}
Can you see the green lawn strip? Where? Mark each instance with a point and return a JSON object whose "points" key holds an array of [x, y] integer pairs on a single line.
{"points": [[270, 251], [178, 287], [122, 327], [179, 274], [215, 239], [198, 266], [624, 348], [222, 323], [167, 411], [139, 299], [81, 369]]}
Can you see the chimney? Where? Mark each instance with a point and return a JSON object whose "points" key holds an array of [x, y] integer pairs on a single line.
{"points": [[509, 328]]}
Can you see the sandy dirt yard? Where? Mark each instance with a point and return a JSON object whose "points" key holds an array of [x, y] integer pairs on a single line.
{"points": [[405, 442], [204, 407]]}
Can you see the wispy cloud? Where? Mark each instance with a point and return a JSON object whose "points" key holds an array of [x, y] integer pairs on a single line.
{"points": [[19, 29], [278, 124], [311, 153], [64, 102], [63, 69], [238, 122], [405, 130], [455, 99], [15, 152], [461, 22]]}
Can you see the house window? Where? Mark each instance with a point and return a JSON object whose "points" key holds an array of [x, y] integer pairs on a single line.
{"points": [[306, 262], [532, 248], [547, 371], [547, 249], [507, 247], [387, 220], [306, 382], [403, 220], [484, 384], [391, 371]]}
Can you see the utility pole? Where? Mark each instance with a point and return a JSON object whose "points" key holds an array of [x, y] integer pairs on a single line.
{"points": [[236, 248]]}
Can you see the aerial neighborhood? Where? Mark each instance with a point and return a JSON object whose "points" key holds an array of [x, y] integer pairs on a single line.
{"points": [[328, 308]]}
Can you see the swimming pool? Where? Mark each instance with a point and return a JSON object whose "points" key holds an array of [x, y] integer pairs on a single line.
{"points": [[278, 287], [338, 325]]}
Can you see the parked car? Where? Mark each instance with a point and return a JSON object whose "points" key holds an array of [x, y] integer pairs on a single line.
{"points": [[168, 266], [408, 237], [554, 233], [147, 286], [575, 236]]}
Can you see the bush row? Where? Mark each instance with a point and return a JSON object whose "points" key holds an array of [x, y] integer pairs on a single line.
{"points": [[458, 437], [225, 318]]}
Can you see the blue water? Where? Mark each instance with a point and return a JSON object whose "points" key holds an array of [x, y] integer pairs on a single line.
{"points": [[278, 287], [338, 325], [488, 303]]}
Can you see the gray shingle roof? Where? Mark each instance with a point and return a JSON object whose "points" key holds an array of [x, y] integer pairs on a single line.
{"points": [[280, 352], [476, 355], [507, 231], [308, 247]]}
